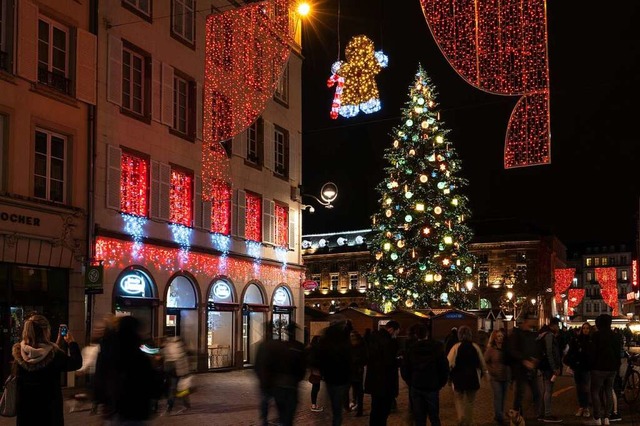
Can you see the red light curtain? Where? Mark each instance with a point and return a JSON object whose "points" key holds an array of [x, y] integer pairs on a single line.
{"points": [[500, 46], [608, 280], [563, 279], [574, 298]]}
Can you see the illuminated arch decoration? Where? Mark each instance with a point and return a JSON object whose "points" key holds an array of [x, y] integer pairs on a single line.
{"points": [[563, 279], [500, 46], [355, 79], [574, 297], [608, 280], [245, 54]]}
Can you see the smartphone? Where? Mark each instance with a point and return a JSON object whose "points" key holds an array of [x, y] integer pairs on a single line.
{"points": [[63, 329]]}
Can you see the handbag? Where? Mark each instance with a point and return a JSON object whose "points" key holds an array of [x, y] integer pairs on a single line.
{"points": [[8, 401], [184, 386]]}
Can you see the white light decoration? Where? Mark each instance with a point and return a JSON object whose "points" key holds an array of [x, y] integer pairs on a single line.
{"points": [[419, 207], [408, 218], [409, 123], [386, 246], [306, 244], [388, 201], [281, 255], [442, 185], [448, 240], [341, 241], [424, 124], [420, 101], [394, 256], [359, 239], [223, 242], [439, 139], [400, 244], [437, 277], [454, 201], [322, 243], [181, 234], [408, 194], [428, 278], [133, 225]]}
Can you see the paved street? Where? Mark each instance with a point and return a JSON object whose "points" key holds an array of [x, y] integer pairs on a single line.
{"points": [[231, 398]]}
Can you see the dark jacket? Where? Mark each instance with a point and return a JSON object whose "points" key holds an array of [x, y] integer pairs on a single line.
{"points": [[467, 364], [359, 357], [280, 364], [382, 369], [578, 355], [522, 346], [425, 366], [334, 356], [494, 357], [551, 357], [604, 351], [39, 399]]}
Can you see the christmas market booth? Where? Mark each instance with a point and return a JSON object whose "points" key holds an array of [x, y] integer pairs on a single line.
{"points": [[443, 320], [408, 318], [362, 318]]}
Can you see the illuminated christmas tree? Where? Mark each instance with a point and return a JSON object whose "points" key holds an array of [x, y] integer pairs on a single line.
{"points": [[421, 247]]}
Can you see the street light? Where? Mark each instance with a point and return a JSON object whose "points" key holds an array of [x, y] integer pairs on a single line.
{"points": [[328, 194]]}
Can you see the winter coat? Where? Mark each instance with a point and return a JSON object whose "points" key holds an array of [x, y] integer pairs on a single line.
{"points": [[175, 358], [522, 345], [38, 370], [604, 351], [551, 357], [359, 358], [280, 364], [334, 356], [494, 357], [467, 365], [578, 356], [425, 366], [382, 369]]}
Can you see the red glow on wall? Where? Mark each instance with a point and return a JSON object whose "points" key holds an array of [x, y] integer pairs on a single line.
{"points": [[634, 272], [134, 185], [253, 218], [181, 197], [281, 237], [574, 298], [608, 280], [563, 279], [500, 46], [221, 211]]}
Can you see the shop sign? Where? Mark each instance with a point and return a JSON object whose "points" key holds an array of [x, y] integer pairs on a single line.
{"points": [[634, 273], [631, 295], [133, 284], [454, 315], [222, 290], [93, 279], [30, 222], [309, 285], [280, 297]]}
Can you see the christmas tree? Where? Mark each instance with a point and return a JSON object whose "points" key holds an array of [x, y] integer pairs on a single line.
{"points": [[420, 249]]}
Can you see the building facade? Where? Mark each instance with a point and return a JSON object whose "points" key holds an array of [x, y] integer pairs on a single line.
{"points": [[47, 82], [214, 274]]}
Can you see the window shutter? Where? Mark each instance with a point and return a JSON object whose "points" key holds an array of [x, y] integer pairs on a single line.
{"points": [[27, 40], [239, 145], [154, 208], [269, 146], [156, 90], [86, 49], [239, 211], [268, 207], [206, 215], [197, 202], [167, 94], [114, 175], [114, 70], [293, 157], [199, 110], [293, 229], [165, 189]]}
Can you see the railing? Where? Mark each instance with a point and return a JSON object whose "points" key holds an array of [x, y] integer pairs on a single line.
{"points": [[55, 81]]}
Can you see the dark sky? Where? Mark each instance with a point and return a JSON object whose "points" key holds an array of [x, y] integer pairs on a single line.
{"points": [[588, 193]]}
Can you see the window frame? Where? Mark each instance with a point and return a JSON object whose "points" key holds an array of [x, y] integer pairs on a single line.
{"points": [[624, 275], [353, 285], [285, 242], [247, 215], [189, 201], [135, 9], [282, 171], [7, 36], [65, 181], [147, 159], [145, 115], [281, 94], [190, 106], [52, 25], [3, 143], [333, 275], [181, 37]]}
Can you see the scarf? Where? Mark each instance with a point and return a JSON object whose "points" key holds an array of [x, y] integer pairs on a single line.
{"points": [[32, 355]]}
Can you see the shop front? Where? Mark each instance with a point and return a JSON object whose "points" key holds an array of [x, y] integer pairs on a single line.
{"points": [[181, 318], [221, 313], [254, 312], [283, 312], [136, 294]]}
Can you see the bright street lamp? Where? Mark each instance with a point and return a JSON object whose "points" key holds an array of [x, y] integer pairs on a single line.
{"points": [[328, 194]]}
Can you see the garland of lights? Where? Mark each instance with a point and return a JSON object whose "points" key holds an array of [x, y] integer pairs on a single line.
{"points": [[118, 255], [608, 280], [281, 235], [574, 298], [356, 88], [221, 208], [245, 53], [134, 185], [253, 218], [563, 279], [501, 48], [181, 198]]}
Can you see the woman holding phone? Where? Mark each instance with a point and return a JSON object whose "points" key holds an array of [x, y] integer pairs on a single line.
{"points": [[38, 363]]}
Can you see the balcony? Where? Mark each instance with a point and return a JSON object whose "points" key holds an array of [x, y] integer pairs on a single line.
{"points": [[54, 80]]}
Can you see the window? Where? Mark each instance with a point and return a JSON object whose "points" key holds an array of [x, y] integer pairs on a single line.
{"points": [[612, 260], [483, 276], [589, 277], [588, 307], [483, 258], [253, 217], [588, 261], [221, 208], [596, 261], [281, 235], [353, 280], [6, 34], [520, 274], [184, 105], [183, 20], [281, 154], [134, 184], [139, 7], [53, 55], [624, 275], [605, 261], [181, 197], [334, 281], [50, 166], [282, 89], [255, 142], [316, 278], [623, 260], [3, 127], [135, 81]]}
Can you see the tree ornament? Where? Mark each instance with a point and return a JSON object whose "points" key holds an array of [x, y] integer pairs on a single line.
{"points": [[437, 210], [424, 178], [408, 303]]}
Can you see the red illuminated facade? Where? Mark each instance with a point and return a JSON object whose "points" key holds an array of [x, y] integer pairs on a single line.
{"points": [[134, 185], [607, 277], [181, 197], [563, 278], [253, 217], [281, 236], [221, 208]]}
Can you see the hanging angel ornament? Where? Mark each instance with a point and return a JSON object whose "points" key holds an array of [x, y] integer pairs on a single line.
{"points": [[356, 88]]}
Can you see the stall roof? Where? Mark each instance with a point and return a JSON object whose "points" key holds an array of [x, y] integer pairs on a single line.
{"points": [[419, 314], [442, 312], [363, 311], [314, 313]]}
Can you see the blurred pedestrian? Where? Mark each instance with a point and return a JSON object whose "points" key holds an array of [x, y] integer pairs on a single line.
{"points": [[577, 358], [496, 359], [550, 366], [467, 367], [315, 378], [381, 380], [524, 356], [38, 364], [176, 367], [451, 339], [359, 357]]}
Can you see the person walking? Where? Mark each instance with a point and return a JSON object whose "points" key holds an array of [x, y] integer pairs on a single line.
{"points": [[176, 367], [315, 378], [425, 369], [37, 365], [381, 380], [577, 358], [524, 357], [358, 362], [550, 367], [495, 358], [467, 366]]}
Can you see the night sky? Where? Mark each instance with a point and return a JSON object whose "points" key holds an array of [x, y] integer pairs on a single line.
{"points": [[589, 192]]}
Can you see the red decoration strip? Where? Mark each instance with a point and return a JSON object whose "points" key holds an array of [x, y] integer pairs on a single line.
{"points": [[253, 218], [134, 185], [500, 46], [608, 280], [574, 298], [563, 279], [181, 198], [281, 237], [121, 254], [221, 208]]}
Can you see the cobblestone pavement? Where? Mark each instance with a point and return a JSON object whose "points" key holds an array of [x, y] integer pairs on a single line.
{"points": [[231, 398]]}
